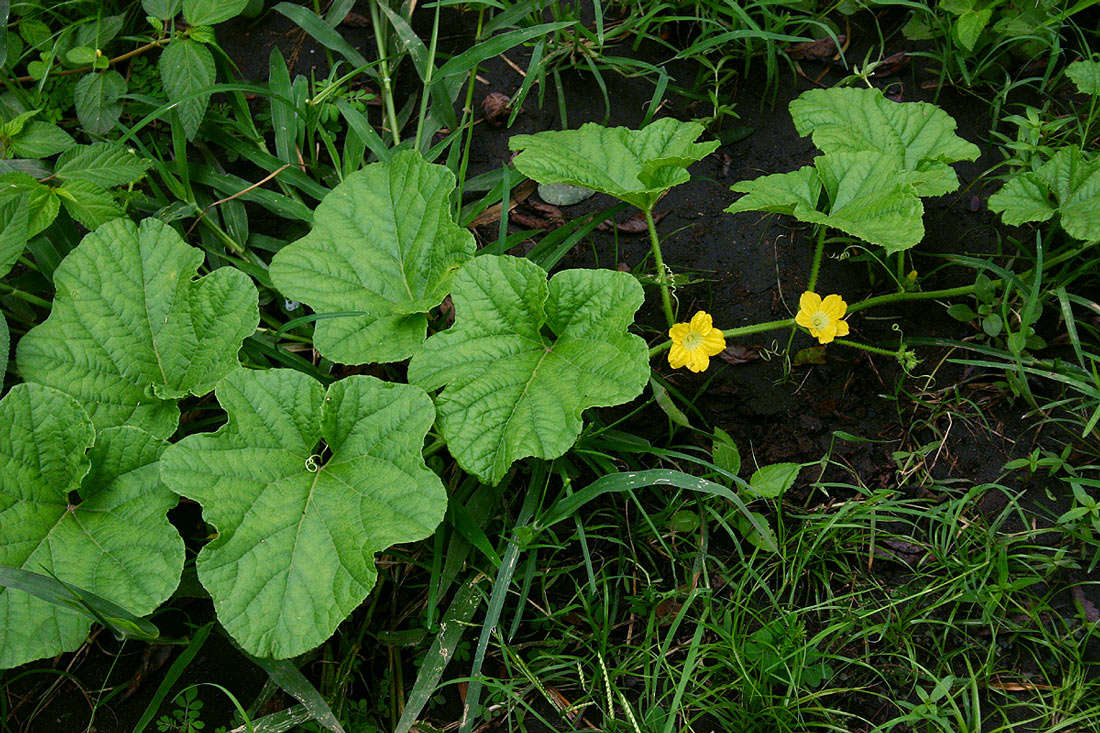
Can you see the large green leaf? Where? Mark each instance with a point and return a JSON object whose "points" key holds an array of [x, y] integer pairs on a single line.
{"points": [[209, 12], [104, 164], [383, 244], [132, 330], [187, 70], [525, 358], [1068, 185], [5, 344], [13, 231], [304, 486], [1085, 76], [41, 140], [863, 197], [919, 135], [635, 166], [40, 201], [115, 541], [88, 203], [97, 100]]}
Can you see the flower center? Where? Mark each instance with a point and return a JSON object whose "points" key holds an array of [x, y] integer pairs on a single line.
{"points": [[693, 340], [819, 321]]}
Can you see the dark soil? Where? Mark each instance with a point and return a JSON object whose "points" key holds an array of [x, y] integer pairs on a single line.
{"points": [[746, 268]]}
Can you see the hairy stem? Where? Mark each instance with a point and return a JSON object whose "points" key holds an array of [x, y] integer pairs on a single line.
{"points": [[659, 261]]}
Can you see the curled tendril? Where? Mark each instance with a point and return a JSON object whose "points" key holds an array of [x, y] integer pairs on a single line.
{"points": [[312, 463]]}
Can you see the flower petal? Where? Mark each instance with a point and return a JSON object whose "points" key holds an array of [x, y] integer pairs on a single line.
{"points": [[713, 343], [834, 306], [679, 332], [699, 361], [701, 322], [827, 334], [841, 328], [809, 302], [678, 356], [804, 318]]}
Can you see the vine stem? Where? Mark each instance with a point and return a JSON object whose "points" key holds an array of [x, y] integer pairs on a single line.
{"points": [[384, 71], [659, 261], [816, 265], [736, 332], [866, 347], [854, 308], [128, 55]]}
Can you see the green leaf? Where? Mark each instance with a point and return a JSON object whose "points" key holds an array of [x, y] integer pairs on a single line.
{"points": [[635, 166], [5, 344], [104, 164], [758, 534], [322, 32], [132, 330], [41, 140], [962, 312], [13, 233], [187, 70], [969, 26], [724, 452], [116, 542], [1086, 76], [210, 12], [920, 136], [297, 533], [97, 101], [89, 204], [1068, 185], [383, 244], [667, 404], [99, 32], [41, 202], [863, 197], [48, 588], [163, 9], [81, 55], [15, 125], [771, 481], [525, 358]]}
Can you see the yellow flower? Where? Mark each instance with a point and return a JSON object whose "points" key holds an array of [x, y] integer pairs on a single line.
{"points": [[694, 343], [824, 318]]}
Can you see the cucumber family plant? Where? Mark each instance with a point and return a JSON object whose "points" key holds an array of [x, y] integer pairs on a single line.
{"points": [[306, 480]]}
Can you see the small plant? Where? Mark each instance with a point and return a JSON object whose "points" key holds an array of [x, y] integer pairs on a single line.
{"points": [[186, 717]]}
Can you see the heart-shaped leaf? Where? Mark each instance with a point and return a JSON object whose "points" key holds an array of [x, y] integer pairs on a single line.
{"points": [[635, 166], [1068, 185], [383, 244], [525, 358], [298, 521], [132, 330], [863, 197], [115, 541], [919, 135]]}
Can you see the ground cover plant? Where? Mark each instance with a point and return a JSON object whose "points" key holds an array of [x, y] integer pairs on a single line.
{"points": [[352, 382]]}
